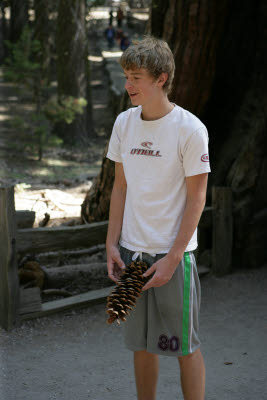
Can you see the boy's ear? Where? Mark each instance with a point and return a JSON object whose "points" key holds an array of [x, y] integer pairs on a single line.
{"points": [[163, 78]]}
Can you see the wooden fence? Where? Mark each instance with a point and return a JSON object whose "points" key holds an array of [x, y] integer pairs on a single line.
{"points": [[16, 241]]}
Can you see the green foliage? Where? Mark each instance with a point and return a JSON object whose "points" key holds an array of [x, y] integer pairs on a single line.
{"points": [[65, 110], [21, 65], [23, 68]]}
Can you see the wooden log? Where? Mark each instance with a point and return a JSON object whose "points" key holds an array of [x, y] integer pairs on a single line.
{"points": [[38, 240], [56, 257], [25, 219], [222, 233], [78, 301], [60, 277], [30, 300], [9, 283]]}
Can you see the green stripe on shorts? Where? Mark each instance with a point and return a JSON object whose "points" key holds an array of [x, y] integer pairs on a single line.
{"points": [[186, 302]]}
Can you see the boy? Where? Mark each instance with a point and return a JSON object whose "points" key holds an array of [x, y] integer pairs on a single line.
{"points": [[161, 170]]}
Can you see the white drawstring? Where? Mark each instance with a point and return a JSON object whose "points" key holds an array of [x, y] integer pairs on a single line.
{"points": [[139, 253]]}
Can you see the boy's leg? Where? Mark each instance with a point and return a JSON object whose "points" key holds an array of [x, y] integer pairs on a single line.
{"points": [[192, 373], [146, 368]]}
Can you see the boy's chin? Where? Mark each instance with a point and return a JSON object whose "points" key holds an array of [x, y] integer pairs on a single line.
{"points": [[135, 102]]}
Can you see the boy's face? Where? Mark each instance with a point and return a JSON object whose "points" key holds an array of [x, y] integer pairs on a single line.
{"points": [[141, 86]]}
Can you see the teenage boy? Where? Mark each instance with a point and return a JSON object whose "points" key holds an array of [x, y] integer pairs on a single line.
{"points": [[161, 171]]}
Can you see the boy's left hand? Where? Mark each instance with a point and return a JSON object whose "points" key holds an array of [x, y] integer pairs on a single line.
{"points": [[164, 270]]}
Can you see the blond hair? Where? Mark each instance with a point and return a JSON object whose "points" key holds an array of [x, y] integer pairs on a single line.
{"points": [[152, 54]]}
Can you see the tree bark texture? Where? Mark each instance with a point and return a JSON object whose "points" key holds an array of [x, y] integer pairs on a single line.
{"points": [[73, 67]]}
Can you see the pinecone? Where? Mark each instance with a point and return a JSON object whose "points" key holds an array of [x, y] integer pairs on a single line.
{"points": [[129, 287]]}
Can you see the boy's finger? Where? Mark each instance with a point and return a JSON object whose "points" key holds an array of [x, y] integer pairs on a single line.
{"points": [[120, 263], [148, 285], [149, 271]]}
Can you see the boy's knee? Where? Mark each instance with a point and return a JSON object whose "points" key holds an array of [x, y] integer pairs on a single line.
{"points": [[190, 356]]}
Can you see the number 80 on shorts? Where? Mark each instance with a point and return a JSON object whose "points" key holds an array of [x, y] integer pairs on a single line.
{"points": [[165, 343]]}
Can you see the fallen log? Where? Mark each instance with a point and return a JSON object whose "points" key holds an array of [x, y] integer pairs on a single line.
{"points": [[38, 240], [57, 258], [80, 274]]}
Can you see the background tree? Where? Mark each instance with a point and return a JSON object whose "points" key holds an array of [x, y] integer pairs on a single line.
{"points": [[42, 34], [18, 18], [73, 67], [221, 64]]}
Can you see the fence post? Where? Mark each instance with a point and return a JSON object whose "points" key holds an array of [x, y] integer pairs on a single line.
{"points": [[222, 230], [9, 282]]}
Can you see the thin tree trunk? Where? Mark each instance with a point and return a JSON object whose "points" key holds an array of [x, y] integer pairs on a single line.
{"points": [[18, 18], [73, 67], [42, 33]]}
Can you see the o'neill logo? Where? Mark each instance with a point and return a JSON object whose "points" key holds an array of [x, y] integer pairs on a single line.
{"points": [[142, 152], [147, 144], [205, 158]]}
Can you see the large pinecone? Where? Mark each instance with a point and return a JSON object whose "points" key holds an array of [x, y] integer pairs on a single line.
{"points": [[129, 287]]}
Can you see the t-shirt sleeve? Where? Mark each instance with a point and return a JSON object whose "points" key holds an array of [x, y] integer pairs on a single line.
{"points": [[114, 148], [195, 153]]}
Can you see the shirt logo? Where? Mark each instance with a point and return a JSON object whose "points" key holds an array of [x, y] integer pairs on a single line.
{"points": [[147, 144], [205, 158], [142, 152]]}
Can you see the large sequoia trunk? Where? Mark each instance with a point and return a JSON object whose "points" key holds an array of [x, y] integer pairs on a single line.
{"points": [[221, 63], [73, 67]]}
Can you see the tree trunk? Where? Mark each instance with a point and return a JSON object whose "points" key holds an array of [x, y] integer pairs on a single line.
{"points": [[73, 68], [4, 29], [18, 18], [96, 203], [42, 33], [221, 63]]}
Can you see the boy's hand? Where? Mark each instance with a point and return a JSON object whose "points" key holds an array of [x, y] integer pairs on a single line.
{"points": [[114, 263], [164, 270]]}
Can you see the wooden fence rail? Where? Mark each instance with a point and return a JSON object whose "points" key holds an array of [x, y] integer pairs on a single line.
{"points": [[18, 242]]}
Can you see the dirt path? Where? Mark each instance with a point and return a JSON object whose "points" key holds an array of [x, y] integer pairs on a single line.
{"points": [[76, 355]]}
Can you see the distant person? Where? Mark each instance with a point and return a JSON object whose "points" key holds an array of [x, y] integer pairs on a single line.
{"points": [[110, 35], [125, 41], [111, 17], [119, 36], [119, 17]]}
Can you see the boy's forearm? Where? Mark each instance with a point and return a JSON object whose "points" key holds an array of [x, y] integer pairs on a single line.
{"points": [[116, 211], [191, 217]]}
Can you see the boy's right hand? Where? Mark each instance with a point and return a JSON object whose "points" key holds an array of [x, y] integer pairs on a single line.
{"points": [[115, 264]]}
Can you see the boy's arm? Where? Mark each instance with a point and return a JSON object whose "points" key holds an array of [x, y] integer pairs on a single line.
{"points": [[117, 202], [195, 202]]}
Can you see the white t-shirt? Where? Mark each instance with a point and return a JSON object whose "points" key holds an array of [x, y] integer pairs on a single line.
{"points": [[157, 156]]}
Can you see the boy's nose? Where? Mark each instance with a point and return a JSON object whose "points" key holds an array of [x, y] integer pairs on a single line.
{"points": [[128, 85]]}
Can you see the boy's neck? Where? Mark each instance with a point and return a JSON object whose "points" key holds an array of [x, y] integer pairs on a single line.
{"points": [[157, 110]]}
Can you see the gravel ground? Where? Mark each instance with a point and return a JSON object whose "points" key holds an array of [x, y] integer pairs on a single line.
{"points": [[76, 355]]}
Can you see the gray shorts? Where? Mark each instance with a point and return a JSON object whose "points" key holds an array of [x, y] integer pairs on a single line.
{"points": [[165, 319]]}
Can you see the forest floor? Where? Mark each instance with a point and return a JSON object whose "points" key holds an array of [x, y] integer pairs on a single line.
{"points": [[76, 355]]}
